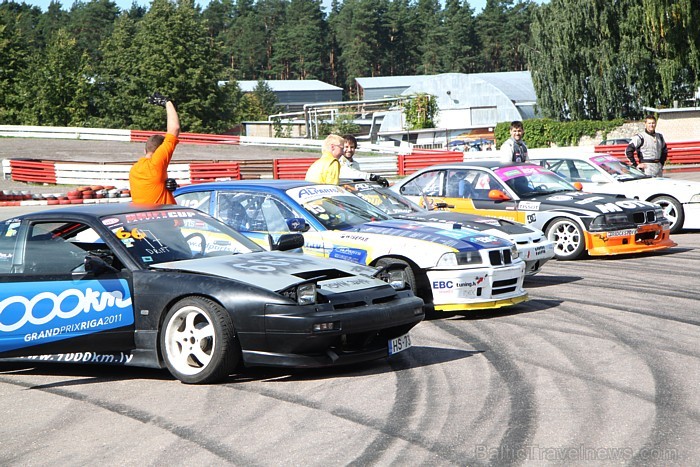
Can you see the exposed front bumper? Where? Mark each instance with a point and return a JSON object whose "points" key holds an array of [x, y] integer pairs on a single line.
{"points": [[646, 238], [535, 255], [476, 289], [359, 333]]}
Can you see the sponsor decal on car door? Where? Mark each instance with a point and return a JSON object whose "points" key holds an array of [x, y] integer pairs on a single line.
{"points": [[486, 207], [35, 313]]}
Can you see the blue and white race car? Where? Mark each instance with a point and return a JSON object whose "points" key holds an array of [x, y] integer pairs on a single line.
{"points": [[450, 269], [533, 247]]}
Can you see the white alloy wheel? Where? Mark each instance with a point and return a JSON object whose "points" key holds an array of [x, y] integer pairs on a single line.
{"points": [[673, 210], [198, 341], [567, 235]]}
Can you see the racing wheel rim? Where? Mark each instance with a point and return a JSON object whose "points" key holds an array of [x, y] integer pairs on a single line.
{"points": [[190, 340], [568, 239]]}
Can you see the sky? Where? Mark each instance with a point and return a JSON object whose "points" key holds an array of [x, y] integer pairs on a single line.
{"points": [[477, 5]]}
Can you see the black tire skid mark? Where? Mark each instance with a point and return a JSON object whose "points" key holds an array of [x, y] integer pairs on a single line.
{"points": [[186, 434], [390, 430], [694, 414], [662, 290], [550, 334], [523, 414], [536, 326], [668, 412], [626, 309]]}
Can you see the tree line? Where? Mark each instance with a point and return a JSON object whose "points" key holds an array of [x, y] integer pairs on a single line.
{"points": [[93, 64]]}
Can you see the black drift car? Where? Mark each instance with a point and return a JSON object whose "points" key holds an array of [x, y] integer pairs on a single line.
{"points": [[167, 286]]}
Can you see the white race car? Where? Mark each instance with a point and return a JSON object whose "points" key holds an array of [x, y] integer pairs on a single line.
{"points": [[452, 270], [604, 173], [533, 247]]}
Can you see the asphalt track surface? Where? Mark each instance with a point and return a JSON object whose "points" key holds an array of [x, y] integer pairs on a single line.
{"points": [[600, 367]]}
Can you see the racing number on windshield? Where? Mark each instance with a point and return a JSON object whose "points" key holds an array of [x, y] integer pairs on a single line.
{"points": [[133, 233]]}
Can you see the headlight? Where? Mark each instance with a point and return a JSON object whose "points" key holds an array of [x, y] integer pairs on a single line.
{"points": [[695, 198], [513, 252], [461, 258], [394, 275], [303, 294], [306, 294], [610, 220]]}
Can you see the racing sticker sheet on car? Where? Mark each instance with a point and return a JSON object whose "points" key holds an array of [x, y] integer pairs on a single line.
{"points": [[306, 194], [37, 313], [464, 287], [347, 284], [506, 173], [354, 255]]}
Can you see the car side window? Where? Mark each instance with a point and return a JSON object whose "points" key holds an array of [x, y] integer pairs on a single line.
{"points": [[254, 212], [566, 169], [60, 248], [275, 214], [8, 241], [458, 186], [196, 200], [427, 183], [571, 170], [584, 172], [231, 209], [482, 183]]}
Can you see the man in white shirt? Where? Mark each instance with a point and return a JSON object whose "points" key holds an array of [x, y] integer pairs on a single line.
{"points": [[350, 168], [514, 148]]}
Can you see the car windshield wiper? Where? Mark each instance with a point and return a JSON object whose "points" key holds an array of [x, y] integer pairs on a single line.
{"points": [[631, 178]]}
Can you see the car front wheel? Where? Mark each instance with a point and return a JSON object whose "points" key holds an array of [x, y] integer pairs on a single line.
{"points": [[410, 276], [672, 210], [567, 235], [198, 341]]}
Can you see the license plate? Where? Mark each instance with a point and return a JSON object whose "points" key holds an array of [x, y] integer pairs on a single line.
{"points": [[399, 344]]}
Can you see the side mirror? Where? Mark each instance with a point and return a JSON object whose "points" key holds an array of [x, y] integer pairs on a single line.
{"points": [[498, 195], [288, 242], [297, 224], [578, 186], [598, 178]]}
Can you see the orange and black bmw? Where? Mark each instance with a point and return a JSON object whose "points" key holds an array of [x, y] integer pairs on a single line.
{"points": [[575, 221]]}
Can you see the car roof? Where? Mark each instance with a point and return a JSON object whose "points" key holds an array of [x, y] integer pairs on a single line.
{"points": [[92, 211], [480, 163], [570, 155], [281, 185]]}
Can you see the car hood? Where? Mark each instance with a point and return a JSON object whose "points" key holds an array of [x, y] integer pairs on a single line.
{"points": [[669, 185], [578, 201], [469, 221], [459, 239], [275, 271]]}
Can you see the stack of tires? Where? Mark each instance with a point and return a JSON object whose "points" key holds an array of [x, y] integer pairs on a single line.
{"points": [[80, 195]]}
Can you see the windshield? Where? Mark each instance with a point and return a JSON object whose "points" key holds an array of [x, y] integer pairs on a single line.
{"points": [[388, 201], [159, 236], [619, 170], [528, 181], [334, 207]]}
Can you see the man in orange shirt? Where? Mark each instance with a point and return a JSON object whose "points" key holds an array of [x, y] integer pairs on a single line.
{"points": [[147, 177]]}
